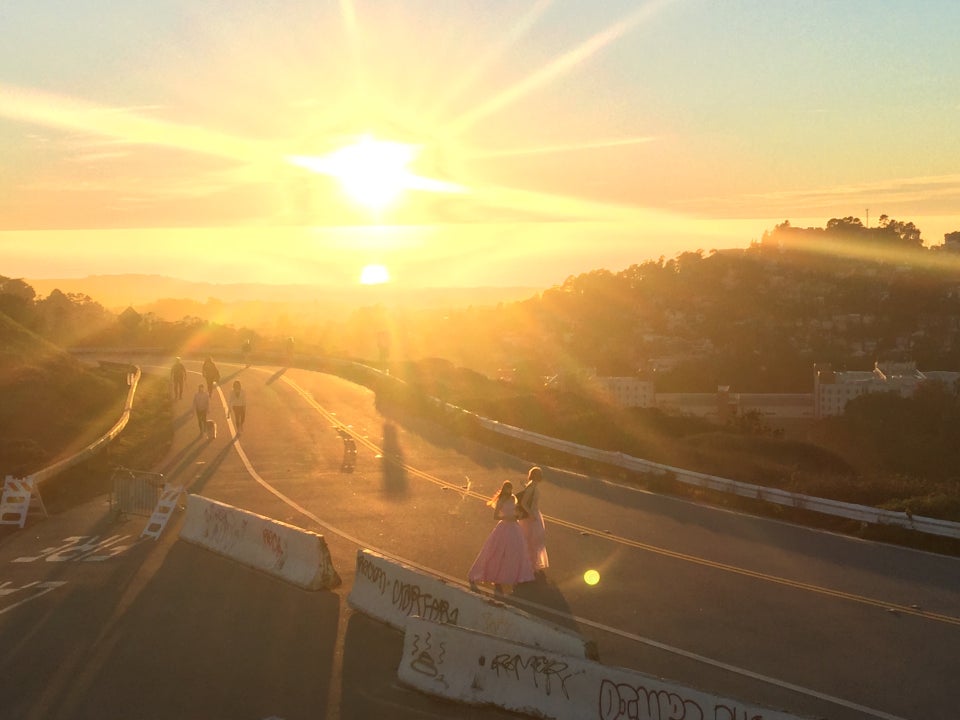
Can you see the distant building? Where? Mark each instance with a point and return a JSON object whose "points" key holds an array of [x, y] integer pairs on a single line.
{"points": [[832, 390], [628, 391], [723, 404]]}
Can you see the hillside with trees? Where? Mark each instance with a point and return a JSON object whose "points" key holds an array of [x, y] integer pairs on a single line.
{"points": [[755, 319]]}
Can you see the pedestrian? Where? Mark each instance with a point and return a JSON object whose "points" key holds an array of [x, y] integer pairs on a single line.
{"points": [[531, 522], [201, 404], [238, 405], [178, 373], [503, 558], [211, 374]]}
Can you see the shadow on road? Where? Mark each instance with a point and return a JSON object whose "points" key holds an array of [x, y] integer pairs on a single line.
{"points": [[276, 376], [204, 477], [210, 638], [539, 598], [394, 474]]}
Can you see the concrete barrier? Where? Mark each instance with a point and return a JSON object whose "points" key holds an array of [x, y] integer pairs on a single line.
{"points": [[393, 593], [287, 552], [477, 669]]}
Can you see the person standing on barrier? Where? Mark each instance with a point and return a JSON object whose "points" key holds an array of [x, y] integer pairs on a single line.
{"points": [[211, 374], [178, 373], [238, 406], [503, 559], [531, 522], [201, 404]]}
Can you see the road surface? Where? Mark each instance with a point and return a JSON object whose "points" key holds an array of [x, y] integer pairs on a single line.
{"points": [[97, 623]]}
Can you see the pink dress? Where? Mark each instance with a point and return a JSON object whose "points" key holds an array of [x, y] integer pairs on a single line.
{"points": [[534, 530], [503, 559]]}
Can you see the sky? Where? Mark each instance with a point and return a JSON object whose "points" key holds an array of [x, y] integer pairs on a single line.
{"points": [[461, 143]]}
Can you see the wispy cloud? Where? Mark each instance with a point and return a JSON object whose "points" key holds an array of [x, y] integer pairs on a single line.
{"points": [[930, 190], [564, 148]]}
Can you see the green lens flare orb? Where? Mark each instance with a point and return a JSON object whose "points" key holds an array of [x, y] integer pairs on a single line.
{"points": [[591, 577]]}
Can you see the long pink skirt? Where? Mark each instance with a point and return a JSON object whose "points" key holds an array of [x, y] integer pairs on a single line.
{"points": [[503, 559], [536, 536]]}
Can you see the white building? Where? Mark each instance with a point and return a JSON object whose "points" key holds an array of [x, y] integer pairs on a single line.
{"points": [[833, 390], [628, 391]]}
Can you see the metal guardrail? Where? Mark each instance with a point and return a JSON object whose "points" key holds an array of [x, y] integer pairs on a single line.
{"points": [[133, 380], [861, 513]]}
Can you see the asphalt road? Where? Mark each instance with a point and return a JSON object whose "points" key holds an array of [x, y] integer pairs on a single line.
{"points": [[110, 626]]}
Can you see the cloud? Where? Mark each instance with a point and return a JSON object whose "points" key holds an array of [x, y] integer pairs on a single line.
{"points": [[932, 194]]}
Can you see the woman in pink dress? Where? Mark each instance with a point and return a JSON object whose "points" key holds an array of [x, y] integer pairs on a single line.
{"points": [[503, 559], [534, 531]]}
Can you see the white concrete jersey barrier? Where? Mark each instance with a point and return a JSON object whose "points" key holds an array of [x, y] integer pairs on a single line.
{"points": [[290, 553], [393, 593], [477, 669]]}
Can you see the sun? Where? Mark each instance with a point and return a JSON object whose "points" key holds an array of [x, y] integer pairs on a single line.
{"points": [[374, 275], [374, 173]]}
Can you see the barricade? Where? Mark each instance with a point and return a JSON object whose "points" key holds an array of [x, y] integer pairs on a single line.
{"points": [[19, 498], [478, 669], [134, 492], [393, 593], [290, 553]]}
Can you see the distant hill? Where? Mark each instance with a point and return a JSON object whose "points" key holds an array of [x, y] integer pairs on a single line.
{"points": [[48, 398], [117, 292]]}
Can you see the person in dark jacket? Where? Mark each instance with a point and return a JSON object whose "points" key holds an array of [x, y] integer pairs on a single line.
{"points": [[211, 374]]}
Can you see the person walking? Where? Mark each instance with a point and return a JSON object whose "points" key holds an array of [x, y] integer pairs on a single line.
{"points": [[201, 404], [531, 522], [211, 374], [238, 406], [503, 559], [178, 373]]}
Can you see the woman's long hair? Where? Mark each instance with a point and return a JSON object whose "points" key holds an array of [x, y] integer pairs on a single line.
{"points": [[505, 489]]}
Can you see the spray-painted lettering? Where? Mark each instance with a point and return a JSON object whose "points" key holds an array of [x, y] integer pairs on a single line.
{"points": [[408, 598], [545, 672], [372, 572]]}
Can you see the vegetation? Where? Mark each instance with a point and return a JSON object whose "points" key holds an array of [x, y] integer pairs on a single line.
{"points": [[755, 320], [53, 406]]}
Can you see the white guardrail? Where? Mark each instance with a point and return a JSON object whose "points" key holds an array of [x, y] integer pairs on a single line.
{"points": [[861, 513], [133, 379]]}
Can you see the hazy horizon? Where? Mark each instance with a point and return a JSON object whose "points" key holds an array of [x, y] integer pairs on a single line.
{"points": [[499, 143]]}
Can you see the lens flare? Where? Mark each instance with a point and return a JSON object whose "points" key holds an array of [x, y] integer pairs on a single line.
{"points": [[591, 577]]}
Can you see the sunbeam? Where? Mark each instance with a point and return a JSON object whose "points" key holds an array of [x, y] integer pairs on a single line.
{"points": [[563, 64], [493, 53], [120, 124], [552, 149]]}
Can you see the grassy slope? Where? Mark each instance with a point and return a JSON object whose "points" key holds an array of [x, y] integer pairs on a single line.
{"points": [[53, 405]]}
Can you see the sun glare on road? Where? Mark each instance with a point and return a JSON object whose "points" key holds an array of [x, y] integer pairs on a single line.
{"points": [[374, 275]]}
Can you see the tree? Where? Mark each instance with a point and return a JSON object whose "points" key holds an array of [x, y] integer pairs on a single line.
{"points": [[901, 232], [16, 300]]}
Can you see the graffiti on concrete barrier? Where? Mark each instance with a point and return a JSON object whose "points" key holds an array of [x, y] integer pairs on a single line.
{"points": [[220, 528], [620, 701], [81, 548], [274, 543], [372, 572], [409, 598], [722, 712], [546, 673], [26, 593], [422, 655]]}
